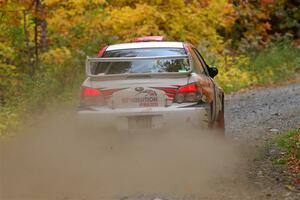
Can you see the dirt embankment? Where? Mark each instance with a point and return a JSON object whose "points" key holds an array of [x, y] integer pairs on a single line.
{"points": [[50, 161]]}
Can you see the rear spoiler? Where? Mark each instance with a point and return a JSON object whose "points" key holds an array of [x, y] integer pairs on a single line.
{"points": [[128, 59]]}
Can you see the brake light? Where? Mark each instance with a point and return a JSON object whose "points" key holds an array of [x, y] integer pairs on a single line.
{"points": [[188, 93], [90, 92], [91, 97], [96, 97], [188, 88]]}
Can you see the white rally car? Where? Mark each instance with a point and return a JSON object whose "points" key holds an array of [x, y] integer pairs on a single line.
{"points": [[151, 84]]}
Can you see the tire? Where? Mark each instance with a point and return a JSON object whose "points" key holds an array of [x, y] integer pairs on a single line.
{"points": [[218, 126], [220, 123]]}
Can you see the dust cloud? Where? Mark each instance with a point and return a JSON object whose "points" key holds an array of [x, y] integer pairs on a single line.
{"points": [[52, 159]]}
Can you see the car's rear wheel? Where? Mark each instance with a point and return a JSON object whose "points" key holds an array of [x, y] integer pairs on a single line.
{"points": [[221, 120], [218, 126]]}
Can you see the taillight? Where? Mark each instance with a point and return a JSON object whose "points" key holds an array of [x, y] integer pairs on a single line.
{"points": [[91, 97], [188, 88], [188, 93], [95, 96], [90, 92]]}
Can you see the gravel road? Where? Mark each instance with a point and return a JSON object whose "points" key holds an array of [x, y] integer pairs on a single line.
{"points": [[254, 113], [48, 162]]}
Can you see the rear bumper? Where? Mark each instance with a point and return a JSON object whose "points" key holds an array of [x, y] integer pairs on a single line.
{"points": [[161, 117]]}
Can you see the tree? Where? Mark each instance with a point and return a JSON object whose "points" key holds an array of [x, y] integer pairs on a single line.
{"points": [[193, 21]]}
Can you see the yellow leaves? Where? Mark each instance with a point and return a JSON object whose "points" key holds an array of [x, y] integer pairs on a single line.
{"points": [[232, 75], [50, 2], [177, 20], [75, 4], [8, 72], [123, 20], [96, 2], [8, 119], [127, 22], [6, 67], [8, 79], [56, 56], [5, 51], [64, 18], [132, 3]]}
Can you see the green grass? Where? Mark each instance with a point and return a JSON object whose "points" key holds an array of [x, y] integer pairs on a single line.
{"points": [[278, 62], [287, 147], [53, 85], [287, 142]]}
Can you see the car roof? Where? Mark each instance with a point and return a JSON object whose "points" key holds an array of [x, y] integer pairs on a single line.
{"points": [[141, 45]]}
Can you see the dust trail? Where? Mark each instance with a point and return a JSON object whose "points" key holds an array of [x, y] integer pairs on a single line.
{"points": [[53, 160]]}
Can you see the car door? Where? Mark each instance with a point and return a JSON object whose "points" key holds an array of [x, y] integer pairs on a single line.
{"points": [[218, 92]]}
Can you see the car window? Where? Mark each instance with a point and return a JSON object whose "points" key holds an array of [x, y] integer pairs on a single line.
{"points": [[143, 66], [204, 65], [196, 63], [145, 52]]}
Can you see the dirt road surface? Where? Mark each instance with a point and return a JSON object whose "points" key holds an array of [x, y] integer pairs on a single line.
{"points": [[50, 160], [254, 113]]}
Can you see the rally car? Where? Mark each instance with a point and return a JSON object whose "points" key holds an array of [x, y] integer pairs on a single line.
{"points": [[151, 84]]}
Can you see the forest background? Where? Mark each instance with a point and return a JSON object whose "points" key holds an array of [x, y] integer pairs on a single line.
{"points": [[44, 43]]}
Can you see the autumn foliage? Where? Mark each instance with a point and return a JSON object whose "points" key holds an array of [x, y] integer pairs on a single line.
{"points": [[43, 43]]}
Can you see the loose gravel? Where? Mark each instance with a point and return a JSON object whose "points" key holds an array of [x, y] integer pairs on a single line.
{"points": [[54, 164]]}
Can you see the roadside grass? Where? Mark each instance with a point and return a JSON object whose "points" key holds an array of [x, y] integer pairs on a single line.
{"points": [[275, 64], [287, 154], [278, 62], [26, 109], [56, 84]]}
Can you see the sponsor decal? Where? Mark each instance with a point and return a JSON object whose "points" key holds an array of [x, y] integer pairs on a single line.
{"points": [[153, 104], [139, 89], [148, 100], [148, 92]]}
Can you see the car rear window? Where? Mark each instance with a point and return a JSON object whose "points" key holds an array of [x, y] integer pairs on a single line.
{"points": [[143, 66]]}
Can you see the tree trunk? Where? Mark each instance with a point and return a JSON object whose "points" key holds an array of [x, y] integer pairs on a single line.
{"points": [[27, 45], [44, 43], [36, 35], [43, 24]]}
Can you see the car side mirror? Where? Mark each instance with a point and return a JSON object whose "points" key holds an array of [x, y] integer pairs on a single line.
{"points": [[213, 71]]}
